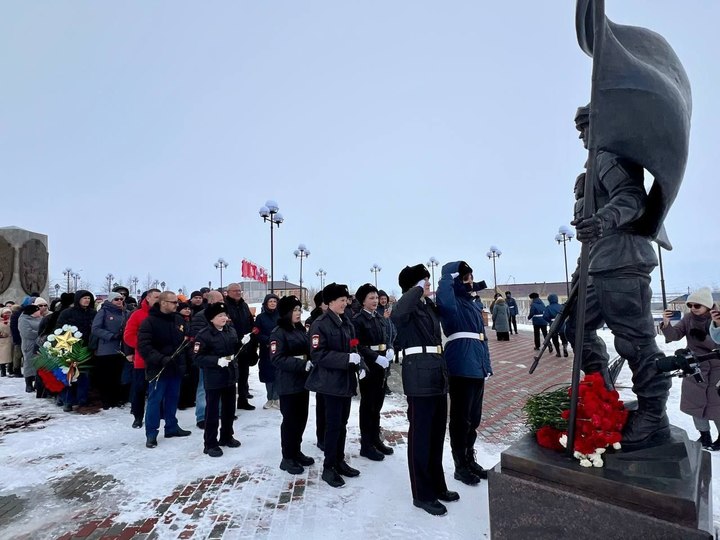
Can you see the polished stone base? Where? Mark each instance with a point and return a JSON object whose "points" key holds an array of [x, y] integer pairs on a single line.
{"points": [[661, 492]]}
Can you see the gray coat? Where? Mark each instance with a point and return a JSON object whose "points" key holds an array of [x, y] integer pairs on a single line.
{"points": [[108, 325], [500, 316], [28, 327], [699, 400]]}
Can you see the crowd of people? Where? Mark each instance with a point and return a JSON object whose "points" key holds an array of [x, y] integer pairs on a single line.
{"points": [[170, 352]]}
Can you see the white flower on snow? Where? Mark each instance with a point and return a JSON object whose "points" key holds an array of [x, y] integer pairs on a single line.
{"points": [[563, 441], [617, 446], [51, 337], [585, 463], [78, 335], [58, 331]]}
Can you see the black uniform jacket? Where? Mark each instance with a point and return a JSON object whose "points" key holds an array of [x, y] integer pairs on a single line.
{"points": [[332, 372], [159, 336], [417, 323], [289, 354], [210, 344], [371, 330]]}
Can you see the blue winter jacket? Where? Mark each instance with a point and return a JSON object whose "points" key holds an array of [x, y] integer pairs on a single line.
{"points": [[537, 308], [459, 312], [553, 308]]}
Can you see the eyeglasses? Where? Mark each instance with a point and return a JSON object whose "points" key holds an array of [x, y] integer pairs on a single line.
{"points": [[695, 306], [41, 305], [121, 299]]}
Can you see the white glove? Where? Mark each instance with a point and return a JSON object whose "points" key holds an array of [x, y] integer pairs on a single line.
{"points": [[245, 339], [308, 366], [390, 354], [224, 361], [382, 361], [354, 358], [421, 283], [362, 374], [454, 275]]}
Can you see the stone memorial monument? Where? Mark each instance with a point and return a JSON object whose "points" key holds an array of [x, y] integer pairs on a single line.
{"points": [[23, 264]]}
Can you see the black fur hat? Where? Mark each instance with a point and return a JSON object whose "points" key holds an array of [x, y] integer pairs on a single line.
{"points": [[333, 291], [534, 295], [286, 305], [213, 310], [318, 299], [363, 291], [411, 275]]}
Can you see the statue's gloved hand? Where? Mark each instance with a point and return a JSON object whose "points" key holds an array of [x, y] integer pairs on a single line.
{"points": [[588, 229]]}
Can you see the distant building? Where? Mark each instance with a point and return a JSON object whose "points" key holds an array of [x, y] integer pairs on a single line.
{"points": [[254, 291]]}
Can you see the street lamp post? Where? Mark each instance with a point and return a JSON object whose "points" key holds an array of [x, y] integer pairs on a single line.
{"points": [[109, 278], [162, 285], [431, 264], [493, 254], [270, 212], [76, 278], [57, 290], [135, 281], [375, 269], [68, 274], [563, 236], [221, 264], [301, 253], [321, 274]]}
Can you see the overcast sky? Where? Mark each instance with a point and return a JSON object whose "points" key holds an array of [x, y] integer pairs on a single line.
{"points": [[143, 137]]}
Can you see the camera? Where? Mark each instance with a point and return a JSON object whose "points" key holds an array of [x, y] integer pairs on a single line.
{"points": [[684, 362]]}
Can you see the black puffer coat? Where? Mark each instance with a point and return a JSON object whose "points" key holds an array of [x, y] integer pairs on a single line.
{"points": [[287, 343], [211, 344], [332, 372], [159, 336]]}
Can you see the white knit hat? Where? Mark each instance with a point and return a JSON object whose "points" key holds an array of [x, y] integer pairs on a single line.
{"points": [[39, 301], [701, 296]]}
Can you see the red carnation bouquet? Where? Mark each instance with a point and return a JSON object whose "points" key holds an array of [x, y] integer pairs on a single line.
{"points": [[601, 416]]}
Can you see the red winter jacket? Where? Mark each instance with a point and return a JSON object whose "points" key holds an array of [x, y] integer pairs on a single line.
{"points": [[131, 332]]}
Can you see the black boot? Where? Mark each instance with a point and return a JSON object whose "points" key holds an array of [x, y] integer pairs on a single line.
{"points": [[463, 472], [3, 373], [649, 425], [29, 384], [716, 445], [705, 440], [565, 352], [474, 466]]}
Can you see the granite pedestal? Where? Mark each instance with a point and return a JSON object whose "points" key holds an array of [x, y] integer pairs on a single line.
{"points": [[661, 493]]}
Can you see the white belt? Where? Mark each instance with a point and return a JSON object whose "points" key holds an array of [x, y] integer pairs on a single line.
{"points": [[466, 335], [429, 349], [301, 356], [379, 348]]}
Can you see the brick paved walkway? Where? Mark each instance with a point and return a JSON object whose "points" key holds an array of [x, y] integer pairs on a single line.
{"points": [[283, 505]]}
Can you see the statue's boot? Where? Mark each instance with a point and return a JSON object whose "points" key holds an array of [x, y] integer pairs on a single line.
{"points": [[648, 425]]}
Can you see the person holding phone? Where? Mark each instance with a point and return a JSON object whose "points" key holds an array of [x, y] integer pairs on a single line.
{"points": [[699, 399]]}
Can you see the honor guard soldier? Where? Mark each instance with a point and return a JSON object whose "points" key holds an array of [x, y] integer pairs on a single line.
{"points": [[425, 383], [334, 375], [377, 354]]}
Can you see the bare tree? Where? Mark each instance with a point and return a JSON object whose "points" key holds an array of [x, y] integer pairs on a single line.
{"points": [[148, 282]]}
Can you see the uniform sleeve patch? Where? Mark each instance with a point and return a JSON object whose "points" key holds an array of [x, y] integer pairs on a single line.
{"points": [[196, 348], [315, 341], [273, 347]]}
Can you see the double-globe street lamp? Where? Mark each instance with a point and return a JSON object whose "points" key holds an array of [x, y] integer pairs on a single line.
{"points": [[321, 274], [431, 264], [68, 273], [375, 269], [221, 264], [270, 212], [493, 254], [301, 253], [76, 278], [109, 278], [563, 236]]}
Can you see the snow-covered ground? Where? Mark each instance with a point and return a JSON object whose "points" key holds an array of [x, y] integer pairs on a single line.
{"points": [[375, 505]]}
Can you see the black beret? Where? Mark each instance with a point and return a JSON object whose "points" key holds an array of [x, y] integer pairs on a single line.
{"points": [[411, 275], [333, 291], [363, 291]]}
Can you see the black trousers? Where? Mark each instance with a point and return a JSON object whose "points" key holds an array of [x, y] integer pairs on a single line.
{"points": [[559, 338], [536, 334], [294, 409], [466, 397], [513, 322], [426, 437], [372, 397], [337, 412], [108, 371], [214, 399], [319, 418]]}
